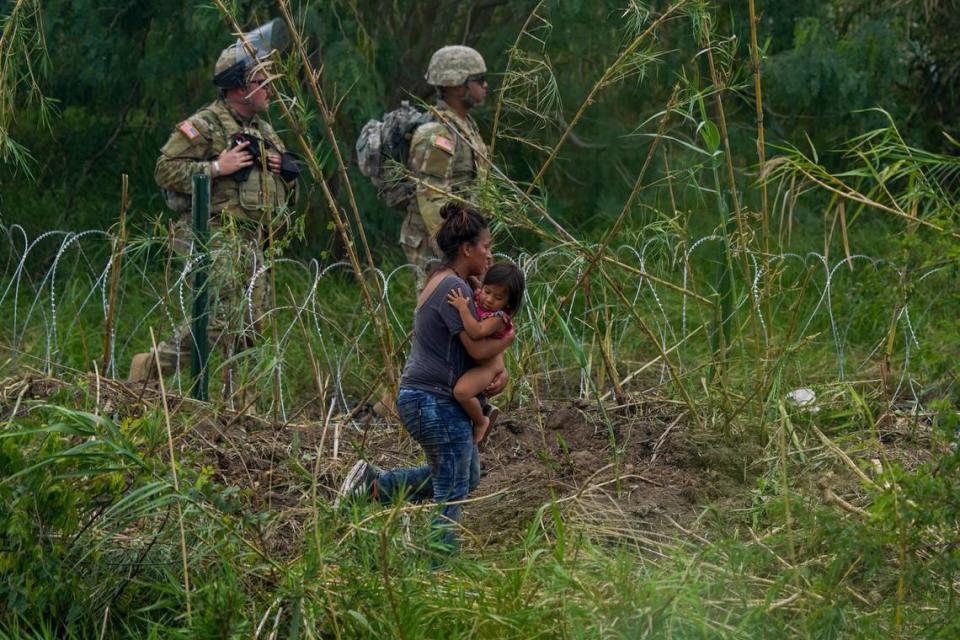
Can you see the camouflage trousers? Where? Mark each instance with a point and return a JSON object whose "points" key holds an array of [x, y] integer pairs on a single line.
{"points": [[419, 246], [238, 292]]}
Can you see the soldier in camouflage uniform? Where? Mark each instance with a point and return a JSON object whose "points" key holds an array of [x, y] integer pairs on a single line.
{"points": [[447, 156], [241, 211], [447, 159]]}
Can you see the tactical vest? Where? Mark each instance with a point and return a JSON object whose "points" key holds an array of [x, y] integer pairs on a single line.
{"points": [[251, 199], [262, 190], [466, 168]]}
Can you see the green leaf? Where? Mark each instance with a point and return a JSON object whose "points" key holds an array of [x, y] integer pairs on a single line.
{"points": [[710, 134], [359, 617]]}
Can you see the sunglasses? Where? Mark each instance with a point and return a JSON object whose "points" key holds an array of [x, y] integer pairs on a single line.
{"points": [[479, 78]]}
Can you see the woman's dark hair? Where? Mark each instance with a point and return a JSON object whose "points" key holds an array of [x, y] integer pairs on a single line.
{"points": [[508, 276], [461, 223]]}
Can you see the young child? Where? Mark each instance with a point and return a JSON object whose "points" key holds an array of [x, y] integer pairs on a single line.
{"points": [[496, 301]]}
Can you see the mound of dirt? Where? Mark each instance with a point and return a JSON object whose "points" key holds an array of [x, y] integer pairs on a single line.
{"points": [[631, 468], [635, 468]]}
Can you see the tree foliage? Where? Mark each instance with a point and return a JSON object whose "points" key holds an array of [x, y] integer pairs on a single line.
{"points": [[121, 76]]}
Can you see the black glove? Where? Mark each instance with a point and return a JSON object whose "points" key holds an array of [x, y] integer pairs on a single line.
{"points": [[289, 166], [289, 162]]}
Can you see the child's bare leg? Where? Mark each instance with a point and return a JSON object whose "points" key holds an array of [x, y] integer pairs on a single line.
{"points": [[480, 422], [474, 381], [468, 387]]}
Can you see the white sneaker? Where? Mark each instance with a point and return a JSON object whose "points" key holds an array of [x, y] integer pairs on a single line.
{"points": [[358, 483]]}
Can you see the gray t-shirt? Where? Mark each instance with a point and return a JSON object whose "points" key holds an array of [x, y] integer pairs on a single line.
{"points": [[438, 358]]}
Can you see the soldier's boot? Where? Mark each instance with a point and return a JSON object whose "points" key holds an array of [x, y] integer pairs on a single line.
{"points": [[143, 368], [386, 406]]}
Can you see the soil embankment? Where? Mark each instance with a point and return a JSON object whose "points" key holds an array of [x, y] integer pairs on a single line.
{"points": [[631, 469]]}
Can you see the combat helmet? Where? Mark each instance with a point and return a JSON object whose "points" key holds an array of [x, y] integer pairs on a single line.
{"points": [[235, 63], [451, 66]]}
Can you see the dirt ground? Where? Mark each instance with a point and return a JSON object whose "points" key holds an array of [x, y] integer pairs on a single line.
{"points": [[636, 468], [629, 469]]}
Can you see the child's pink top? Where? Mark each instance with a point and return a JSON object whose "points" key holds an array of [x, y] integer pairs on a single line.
{"points": [[483, 314]]}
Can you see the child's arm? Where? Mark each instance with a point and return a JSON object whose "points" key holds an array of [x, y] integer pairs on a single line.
{"points": [[476, 329], [486, 348]]}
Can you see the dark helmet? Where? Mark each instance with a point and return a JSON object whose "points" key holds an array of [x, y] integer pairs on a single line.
{"points": [[235, 63]]}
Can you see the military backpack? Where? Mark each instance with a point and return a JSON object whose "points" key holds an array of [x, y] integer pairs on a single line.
{"points": [[383, 149]]}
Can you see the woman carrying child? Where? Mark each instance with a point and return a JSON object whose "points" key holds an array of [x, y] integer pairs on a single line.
{"points": [[440, 354]]}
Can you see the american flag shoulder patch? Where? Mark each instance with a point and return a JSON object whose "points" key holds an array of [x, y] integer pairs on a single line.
{"points": [[443, 143], [186, 128]]}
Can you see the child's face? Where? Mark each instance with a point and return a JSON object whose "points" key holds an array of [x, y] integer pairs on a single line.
{"points": [[494, 297]]}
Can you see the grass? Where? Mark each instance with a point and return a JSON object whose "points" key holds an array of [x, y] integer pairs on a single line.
{"points": [[826, 312], [821, 542], [843, 524], [91, 529], [741, 573]]}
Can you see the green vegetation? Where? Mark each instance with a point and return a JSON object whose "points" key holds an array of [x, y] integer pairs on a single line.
{"points": [[684, 256], [92, 543]]}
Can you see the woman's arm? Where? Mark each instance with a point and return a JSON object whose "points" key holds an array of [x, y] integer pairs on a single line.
{"points": [[486, 348], [476, 329]]}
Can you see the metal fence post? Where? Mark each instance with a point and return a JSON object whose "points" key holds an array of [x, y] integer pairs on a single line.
{"points": [[200, 350]]}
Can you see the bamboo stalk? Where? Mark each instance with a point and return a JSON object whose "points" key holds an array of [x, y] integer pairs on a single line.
{"points": [[761, 146], [173, 470], [329, 117], [383, 327], [742, 225], [591, 97], [764, 197], [118, 248], [506, 72]]}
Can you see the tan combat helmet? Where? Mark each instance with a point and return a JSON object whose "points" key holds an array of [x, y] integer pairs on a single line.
{"points": [[451, 66], [235, 64]]}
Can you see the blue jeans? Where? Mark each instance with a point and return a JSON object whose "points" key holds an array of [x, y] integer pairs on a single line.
{"points": [[441, 427]]}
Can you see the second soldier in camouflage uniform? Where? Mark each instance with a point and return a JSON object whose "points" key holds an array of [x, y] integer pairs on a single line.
{"points": [[207, 142], [447, 156]]}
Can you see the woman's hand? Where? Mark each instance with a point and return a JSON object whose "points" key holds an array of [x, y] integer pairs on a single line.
{"points": [[458, 300], [498, 383]]}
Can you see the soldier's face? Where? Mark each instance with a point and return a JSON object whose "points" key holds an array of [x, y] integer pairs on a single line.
{"points": [[259, 92], [477, 90]]}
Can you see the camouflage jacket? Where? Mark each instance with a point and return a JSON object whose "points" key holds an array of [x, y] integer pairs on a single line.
{"points": [[444, 160], [197, 141]]}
